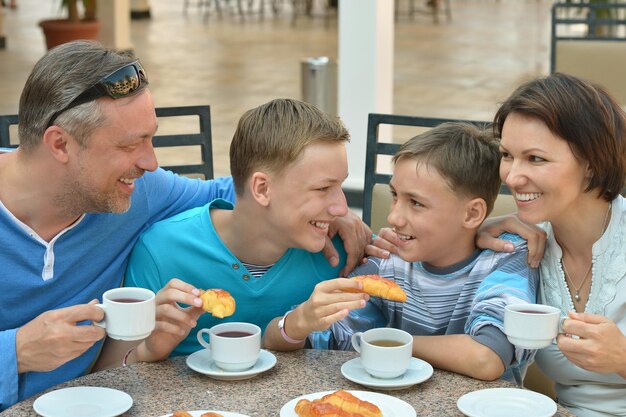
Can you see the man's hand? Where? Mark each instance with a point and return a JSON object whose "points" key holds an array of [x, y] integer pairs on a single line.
{"points": [[173, 323], [487, 236], [355, 234], [600, 347], [53, 338]]}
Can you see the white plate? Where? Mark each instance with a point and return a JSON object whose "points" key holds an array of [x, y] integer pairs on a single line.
{"points": [[509, 402], [389, 406], [202, 362], [198, 413], [419, 371], [83, 401]]}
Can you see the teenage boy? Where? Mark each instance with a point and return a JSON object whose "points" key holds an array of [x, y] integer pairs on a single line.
{"points": [[288, 161], [444, 184]]}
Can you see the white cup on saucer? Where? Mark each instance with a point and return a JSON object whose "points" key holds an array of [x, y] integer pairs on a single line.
{"points": [[385, 352], [531, 326], [234, 346]]}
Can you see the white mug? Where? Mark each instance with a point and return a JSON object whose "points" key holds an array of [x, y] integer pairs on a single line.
{"points": [[234, 346], [531, 326], [385, 352], [129, 313]]}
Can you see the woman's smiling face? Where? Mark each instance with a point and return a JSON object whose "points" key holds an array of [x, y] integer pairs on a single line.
{"points": [[540, 169]]}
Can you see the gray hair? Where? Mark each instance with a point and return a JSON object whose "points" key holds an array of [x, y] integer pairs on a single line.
{"points": [[57, 79]]}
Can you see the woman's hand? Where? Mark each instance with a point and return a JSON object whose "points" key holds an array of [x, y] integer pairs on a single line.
{"points": [[173, 322], [600, 347], [384, 244], [487, 236]]}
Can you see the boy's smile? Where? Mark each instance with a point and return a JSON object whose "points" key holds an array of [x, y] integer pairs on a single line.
{"points": [[307, 196], [427, 215]]}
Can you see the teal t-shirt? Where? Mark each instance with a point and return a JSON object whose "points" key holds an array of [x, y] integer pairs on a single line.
{"points": [[187, 247]]}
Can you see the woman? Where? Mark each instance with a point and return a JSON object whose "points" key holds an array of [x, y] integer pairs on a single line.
{"points": [[564, 159]]}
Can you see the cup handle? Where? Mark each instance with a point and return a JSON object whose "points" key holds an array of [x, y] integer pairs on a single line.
{"points": [[101, 323], [561, 321], [356, 341], [201, 338]]}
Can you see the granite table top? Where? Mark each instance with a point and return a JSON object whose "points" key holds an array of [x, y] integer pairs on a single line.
{"points": [[159, 388]]}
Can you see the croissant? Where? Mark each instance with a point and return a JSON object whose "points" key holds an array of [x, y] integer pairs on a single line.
{"points": [[218, 302], [181, 414], [337, 404], [316, 408], [378, 286], [211, 414]]}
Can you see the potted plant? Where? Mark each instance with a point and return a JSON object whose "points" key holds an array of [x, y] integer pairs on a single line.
{"points": [[75, 26]]}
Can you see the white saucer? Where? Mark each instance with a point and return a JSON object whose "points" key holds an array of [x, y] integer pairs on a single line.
{"points": [[83, 401], [198, 413], [389, 406], [201, 361], [510, 402], [419, 371]]}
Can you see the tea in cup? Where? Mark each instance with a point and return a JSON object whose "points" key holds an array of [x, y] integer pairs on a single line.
{"points": [[385, 352], [531, 326], [234, 346], [129, 313]]}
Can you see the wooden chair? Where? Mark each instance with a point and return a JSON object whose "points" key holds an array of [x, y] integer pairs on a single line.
{"points": [[199, 141], [376, 196]]}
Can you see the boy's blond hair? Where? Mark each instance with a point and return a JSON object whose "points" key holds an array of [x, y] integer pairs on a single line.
{"points": [[273, 135], [466, 156]]}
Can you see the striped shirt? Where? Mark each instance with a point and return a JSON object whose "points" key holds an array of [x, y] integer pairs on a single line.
{"points": [[464, 298], [257, 271]]}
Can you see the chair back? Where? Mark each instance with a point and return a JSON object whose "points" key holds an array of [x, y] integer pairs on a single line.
{"points": [[376, 196], [188, 153], [588, 41]]}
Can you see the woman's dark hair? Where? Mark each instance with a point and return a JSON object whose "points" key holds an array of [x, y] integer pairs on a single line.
{"points": [[583, 114]]}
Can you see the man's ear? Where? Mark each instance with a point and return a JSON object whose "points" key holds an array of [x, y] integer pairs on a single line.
{"points": [[55, 141], [260, 188], [475, 213]]}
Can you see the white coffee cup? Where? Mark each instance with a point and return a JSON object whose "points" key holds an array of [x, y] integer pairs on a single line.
{"points": [[234, 346], [531, 326], [385, 352], [129, 313]]}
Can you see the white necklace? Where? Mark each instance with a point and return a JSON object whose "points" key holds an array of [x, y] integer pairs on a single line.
{"points": [[567, 275]]}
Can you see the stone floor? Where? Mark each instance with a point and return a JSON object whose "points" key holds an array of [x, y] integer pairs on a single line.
{"points": [[458, 69]]}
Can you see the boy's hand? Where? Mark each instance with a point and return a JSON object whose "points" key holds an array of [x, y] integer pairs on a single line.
{"points": [[355, 234], [487, 236], [327, 304], [173, 323]]}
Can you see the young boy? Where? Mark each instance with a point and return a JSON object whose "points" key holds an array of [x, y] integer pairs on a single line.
{"points": [[288, 161], [444, 184]]}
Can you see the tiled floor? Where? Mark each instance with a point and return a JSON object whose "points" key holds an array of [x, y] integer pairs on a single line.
{"points": [[460, 69]]}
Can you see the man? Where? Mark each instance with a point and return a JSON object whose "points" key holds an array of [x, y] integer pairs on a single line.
{"points": [[67, 220]]}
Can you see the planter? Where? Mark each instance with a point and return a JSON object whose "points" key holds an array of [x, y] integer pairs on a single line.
{"points": [[60, 31]]}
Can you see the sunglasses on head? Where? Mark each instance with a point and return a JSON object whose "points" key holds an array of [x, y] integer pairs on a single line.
{"points": [[120, 83]]}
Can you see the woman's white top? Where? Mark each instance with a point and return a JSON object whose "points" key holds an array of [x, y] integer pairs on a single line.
{"points": [[589, 394]]}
